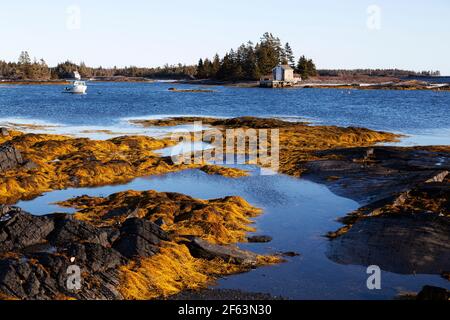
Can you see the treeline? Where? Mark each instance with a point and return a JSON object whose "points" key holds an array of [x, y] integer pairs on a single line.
{"points": [[248, 62], [251, 62], [27, 69], [396, 73]]}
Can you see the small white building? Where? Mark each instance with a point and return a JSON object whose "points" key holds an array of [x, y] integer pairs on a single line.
{"points": [[283, 73], [282, 76]]}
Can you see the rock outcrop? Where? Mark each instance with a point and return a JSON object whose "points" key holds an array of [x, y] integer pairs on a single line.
{"points": [[10, 157], [205, 250], [56, 162], [124, 254], [404, 224], [298, 141], [36, 253]]}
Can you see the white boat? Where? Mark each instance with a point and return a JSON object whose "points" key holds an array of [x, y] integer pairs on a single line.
{"points": [[77, 86]]}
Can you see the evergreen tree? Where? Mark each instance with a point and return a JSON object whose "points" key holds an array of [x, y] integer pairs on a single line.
{"points": [[312, 71], [289, 55], [24, 58], [215, 66], [24, 62], [200, 69], [306, 68]]}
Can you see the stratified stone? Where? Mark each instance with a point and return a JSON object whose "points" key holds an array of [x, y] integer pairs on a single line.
{"points": [[203, 249], [10, 158], [139, 238], [19, 229]]}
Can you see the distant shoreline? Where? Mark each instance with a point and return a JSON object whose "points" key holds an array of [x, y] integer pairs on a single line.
{"points": [[392, 84], [62, 82]]}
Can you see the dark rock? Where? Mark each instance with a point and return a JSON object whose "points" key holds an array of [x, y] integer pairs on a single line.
{"points": [[160, 222], [405, 244], [21, 279], [139, 238], [116, 212], [259, 239], [290, 254], [371, 174], [97, 257], [429, 293], [19, 229], [39, 250], [202, 249], [10, 157], [404, 224], [68, 230]]}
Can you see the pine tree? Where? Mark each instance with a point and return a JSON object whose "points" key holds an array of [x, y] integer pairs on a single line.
{"points": [[200, 69], [24, 70], [312, 72], [215, 66], [289, 55], [306, 68], [24, 58], [302, 67]]}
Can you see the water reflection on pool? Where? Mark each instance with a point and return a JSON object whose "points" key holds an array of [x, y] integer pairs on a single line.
{"points": [[297, 213]]}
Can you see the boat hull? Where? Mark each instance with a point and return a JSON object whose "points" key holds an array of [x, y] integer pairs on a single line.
{"points": [[76, 90]]}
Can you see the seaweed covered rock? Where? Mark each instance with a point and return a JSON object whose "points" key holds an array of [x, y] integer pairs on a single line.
{"points": [[37, 163], [37, 253], [125, 254], [220, 221]]}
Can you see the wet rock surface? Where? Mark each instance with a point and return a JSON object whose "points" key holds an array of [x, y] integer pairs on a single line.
{"points": [[404, 224], [370, 174], [205, 250], [404, 244], [36, 253], [259, 239], [119, 254], [430, 293], [139, 238]]}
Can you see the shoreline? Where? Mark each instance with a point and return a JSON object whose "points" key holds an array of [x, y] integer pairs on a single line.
{"points": [[392, 85], [405, 85], [101, 212]]}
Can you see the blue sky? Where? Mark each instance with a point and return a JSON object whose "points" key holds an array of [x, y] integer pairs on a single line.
{"points": [[412, 34]]}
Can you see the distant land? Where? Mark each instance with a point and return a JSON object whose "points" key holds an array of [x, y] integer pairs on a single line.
{"points": [[249, 62]]}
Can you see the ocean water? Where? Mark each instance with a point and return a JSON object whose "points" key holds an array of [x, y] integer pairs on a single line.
{"points": [[420, 113], [297, 213]]}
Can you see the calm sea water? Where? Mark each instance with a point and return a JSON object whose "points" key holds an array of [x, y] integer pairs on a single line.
{"points": [[422, 113], [297, 213]]}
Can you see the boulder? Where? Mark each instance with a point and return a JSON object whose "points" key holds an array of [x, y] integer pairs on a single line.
{"points": [[139, 238], [10, 157], [97, 257], [19, 229], [25, 280], [433, 293], [203, 249], [259, 239], [404, 244], [68, 230]]}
